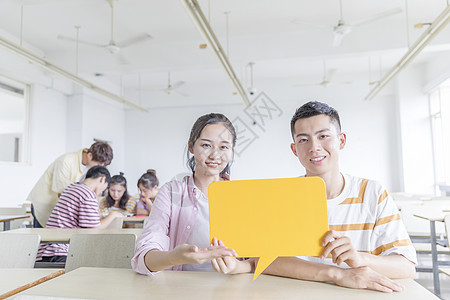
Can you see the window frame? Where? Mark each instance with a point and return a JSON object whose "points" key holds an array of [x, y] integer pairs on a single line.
{"points": [[6, 81]]}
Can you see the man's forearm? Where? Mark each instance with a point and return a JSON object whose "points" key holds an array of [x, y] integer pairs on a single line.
{"points": [[297, 268], [392, 266]]}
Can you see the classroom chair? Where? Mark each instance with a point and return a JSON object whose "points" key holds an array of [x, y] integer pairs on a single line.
{"points": [[117, 223], [18, 250], [100, 250], [446, 270]]}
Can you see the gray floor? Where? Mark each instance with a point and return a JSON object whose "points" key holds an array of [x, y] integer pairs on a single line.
{"points": [[426, 279]]}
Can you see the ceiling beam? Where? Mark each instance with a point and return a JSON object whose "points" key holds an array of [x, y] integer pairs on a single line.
{"points": [[36, 59], [432, 31], [203, 26]]}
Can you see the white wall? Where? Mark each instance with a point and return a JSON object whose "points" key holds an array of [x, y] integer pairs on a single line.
{"points": [[417, 152], [388, 138], [163, 132], [47, 141], [58, 124]]}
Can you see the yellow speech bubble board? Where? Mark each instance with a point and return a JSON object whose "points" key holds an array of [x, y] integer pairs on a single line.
{"points": [[268, 218]]}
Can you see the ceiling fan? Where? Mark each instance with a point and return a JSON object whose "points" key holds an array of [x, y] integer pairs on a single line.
{"points": [[343, 28], [174, 87], [112, 47], [326, 80]]}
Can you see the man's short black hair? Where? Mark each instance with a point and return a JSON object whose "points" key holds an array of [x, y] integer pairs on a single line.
{"points": [[315, 108], [99, 171]]}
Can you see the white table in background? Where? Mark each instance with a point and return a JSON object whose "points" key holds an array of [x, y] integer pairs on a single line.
{"points": [[62, 235], [434, 253], [6, 219]]}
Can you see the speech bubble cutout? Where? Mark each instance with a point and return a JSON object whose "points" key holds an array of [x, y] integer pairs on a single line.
{"points": [[268, 218]]}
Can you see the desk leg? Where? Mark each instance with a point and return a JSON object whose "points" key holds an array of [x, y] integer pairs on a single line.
{"points": [[6, 225], [434, 257]]}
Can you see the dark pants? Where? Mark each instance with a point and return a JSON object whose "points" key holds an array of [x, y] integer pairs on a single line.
{"points": [[36, 224], [56, 259]]}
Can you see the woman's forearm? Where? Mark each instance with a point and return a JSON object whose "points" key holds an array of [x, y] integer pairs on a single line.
{"points": [[156, 260]]}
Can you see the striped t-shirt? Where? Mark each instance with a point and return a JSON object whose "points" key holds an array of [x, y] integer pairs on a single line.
{"points": [[77, 208], [367, 214]]}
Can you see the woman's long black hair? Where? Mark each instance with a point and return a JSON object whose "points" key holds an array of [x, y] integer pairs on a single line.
{"points": [[118, 179]]}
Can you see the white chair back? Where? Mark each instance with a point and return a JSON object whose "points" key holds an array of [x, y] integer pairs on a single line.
{"points": [[18, 250], [100, 250]]}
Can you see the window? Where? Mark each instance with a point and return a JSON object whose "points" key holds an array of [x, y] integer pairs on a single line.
{"points": [[13, 120], [440, 124]]}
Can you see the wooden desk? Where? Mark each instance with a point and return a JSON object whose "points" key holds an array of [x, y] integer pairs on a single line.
{"points": [[434, 253], [62, 235], [6, 219], [15, 278], [104, 283]]}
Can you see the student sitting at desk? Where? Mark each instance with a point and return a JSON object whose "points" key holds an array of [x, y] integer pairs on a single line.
{"points": [[176, 235], [367, 243], [77, 208], [148, 189], [117, 198]]}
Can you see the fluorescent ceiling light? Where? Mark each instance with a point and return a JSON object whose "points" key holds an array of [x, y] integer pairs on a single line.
{"points": [[30, 56], [199, 19], [441, 21]]}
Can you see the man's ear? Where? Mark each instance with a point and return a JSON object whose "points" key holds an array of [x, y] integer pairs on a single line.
{"points": [[293, 149], [102, 179], [342, 140]]}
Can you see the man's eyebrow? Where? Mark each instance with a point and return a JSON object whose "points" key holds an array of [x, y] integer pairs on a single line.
{"points": [[302, 134], [315, 133], [322, 130]]}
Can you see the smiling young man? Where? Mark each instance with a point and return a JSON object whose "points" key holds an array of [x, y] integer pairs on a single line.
{"points": [[368, 243]]}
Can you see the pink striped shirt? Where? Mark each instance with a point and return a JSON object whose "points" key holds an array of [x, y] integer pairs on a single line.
{"points": [[77, 208]]}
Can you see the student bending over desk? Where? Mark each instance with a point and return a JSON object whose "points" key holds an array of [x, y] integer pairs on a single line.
{"points": [[67, 169], [77, 208], [368, 243], [176, 235], [148, 189]]}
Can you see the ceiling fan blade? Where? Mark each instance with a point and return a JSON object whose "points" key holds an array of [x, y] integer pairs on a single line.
{"points": [[182, 93], [330, 74], [66, 38], [177, 84], [135, 40], [379, 16], [122, 59], [337, 39]]}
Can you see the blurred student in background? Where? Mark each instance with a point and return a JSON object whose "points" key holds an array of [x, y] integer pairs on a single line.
{"points": [[66, 169], [148, 189], [117, 198]]}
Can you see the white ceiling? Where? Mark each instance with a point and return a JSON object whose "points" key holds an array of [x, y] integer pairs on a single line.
{"points": [[266, 32]]}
